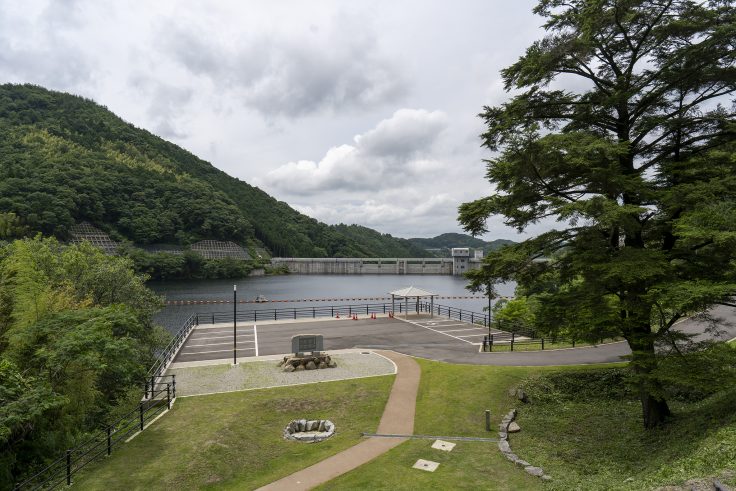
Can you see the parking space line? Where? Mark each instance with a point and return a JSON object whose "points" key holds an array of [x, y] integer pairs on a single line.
{"points": [[468, 329], [255, 338], [220, 337], [435, 330], [215, 351], [438, 324], [211, 344], [472, 335]]}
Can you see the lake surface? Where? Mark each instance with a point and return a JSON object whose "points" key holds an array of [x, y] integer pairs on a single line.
{"points": [[300, 287]]}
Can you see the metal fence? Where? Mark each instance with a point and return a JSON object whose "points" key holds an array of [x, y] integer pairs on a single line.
{"points": [[61, 471]]}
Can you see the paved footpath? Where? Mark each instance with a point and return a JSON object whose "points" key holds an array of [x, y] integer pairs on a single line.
{"points": [[397, 418]]}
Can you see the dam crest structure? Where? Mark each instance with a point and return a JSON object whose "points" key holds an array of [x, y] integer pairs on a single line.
{"points": [[459, 263]]}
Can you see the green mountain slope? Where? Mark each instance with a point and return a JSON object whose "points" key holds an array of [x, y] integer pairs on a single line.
{"points": [[65, 159], [442, 244]]}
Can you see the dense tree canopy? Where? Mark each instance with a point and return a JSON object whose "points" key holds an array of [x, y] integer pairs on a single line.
{"points": [[76, 339], [622, 129], [64, 159]]}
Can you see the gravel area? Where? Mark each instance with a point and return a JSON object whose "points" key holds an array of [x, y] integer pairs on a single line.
{"points": [[259, 374]]}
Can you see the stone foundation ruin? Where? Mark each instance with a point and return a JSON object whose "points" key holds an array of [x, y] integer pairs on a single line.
{"points": [[309, 431]]}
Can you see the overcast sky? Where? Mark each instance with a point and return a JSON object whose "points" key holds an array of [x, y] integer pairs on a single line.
{"points": [[350, 111]]}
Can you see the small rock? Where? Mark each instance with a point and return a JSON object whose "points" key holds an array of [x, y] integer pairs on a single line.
{"points": [[504, 447], [534, 471], [332, 364], [299, 368], [521, 395], [289, 368], [310, 365], [503, 435], [720, 486], [546, 478], [514, 427], [322, 365]]}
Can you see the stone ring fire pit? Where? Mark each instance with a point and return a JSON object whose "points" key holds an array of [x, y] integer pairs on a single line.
{"points": [[309, 431]]}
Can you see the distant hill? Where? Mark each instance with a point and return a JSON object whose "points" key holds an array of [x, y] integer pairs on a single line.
{"points": [[65, 160], [441, 245]]}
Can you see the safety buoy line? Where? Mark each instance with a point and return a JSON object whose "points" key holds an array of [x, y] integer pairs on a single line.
{"points": [[205, 302]]}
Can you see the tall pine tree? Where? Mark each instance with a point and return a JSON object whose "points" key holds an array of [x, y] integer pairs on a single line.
{"points": [[622, 129]]}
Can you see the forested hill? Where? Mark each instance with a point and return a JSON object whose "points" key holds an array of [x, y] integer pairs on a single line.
{"points": [[442, 244], [65, 159]]}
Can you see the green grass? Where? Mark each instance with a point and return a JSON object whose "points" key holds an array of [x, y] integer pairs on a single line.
{"points": [[233, 440], [589, 439], [451, 402], [598, 443]]}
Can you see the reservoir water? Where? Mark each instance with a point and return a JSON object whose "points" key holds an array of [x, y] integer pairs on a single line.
{"points": [[301, 287]]}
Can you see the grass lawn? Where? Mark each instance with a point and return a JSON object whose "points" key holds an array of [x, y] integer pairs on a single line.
{"points": [[233, 440], [597, 442], [451, 401]]}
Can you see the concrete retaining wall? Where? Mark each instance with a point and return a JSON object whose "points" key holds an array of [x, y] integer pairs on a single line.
{"points": [[436, 266]]}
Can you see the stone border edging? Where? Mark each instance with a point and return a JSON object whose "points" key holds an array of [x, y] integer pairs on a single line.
{"points": [[505, 448]]}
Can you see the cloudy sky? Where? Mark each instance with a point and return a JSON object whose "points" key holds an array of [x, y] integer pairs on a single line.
{"points": [[350, 111]]}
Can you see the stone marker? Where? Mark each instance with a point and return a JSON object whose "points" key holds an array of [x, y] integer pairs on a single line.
{"points": [[307, 343], [426, 465], [443, 445]]}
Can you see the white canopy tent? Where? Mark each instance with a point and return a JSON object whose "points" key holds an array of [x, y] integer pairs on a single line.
{"points": [[412, 292]]}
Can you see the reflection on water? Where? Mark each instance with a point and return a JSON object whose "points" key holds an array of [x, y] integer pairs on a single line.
{"points": [[295, 287]]}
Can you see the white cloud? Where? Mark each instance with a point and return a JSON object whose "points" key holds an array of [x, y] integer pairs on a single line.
{"points": [[397, 149], [292, 72]]}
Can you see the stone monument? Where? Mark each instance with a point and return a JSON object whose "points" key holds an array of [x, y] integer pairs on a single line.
{"points": [[307, 354]]}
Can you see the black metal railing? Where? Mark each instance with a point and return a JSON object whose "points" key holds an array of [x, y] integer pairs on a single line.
{"points": [[61, 471], [294, 313]]}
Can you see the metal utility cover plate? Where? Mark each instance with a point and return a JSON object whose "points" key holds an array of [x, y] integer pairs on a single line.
{"points": [[426, 465], [443, 445]]}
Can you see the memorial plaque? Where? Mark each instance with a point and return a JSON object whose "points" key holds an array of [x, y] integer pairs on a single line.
{"points": [[307, 343]]}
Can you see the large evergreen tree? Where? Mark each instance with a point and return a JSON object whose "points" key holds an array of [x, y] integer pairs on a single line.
{"points": [[622, 129]]}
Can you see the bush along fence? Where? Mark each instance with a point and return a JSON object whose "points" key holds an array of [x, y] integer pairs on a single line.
{"points": [[504, 335], [159, 392], [159, 396]]}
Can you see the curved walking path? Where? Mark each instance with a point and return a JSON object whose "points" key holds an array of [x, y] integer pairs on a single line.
{"points": [[397, 418]]}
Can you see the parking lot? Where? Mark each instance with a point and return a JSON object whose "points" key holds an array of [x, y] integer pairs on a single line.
{"points": [[435, 338]]}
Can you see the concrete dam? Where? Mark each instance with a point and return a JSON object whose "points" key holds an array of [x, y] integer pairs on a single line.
{"points": [[456, 265]]}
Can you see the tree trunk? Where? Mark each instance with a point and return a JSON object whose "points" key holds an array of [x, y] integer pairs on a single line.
{"points": [[643, 361], [655, 411]]}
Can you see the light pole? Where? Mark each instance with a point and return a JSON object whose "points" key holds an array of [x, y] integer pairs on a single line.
{"points": [[235, 324], [490, 296]]}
